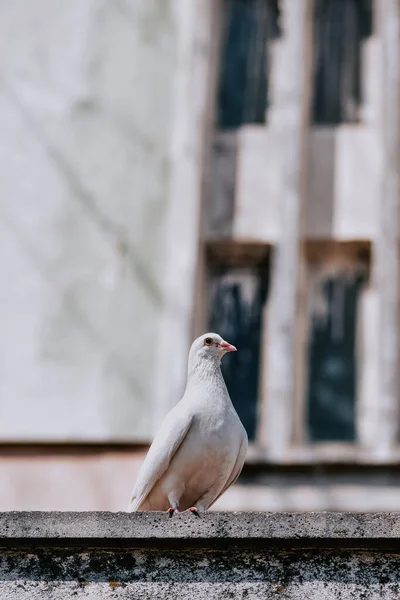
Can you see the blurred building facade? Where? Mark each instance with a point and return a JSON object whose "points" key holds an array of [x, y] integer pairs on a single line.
{"points": [[172, 167]]}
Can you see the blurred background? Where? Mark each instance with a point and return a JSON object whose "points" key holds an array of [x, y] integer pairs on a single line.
{"points": [[171, 167]]}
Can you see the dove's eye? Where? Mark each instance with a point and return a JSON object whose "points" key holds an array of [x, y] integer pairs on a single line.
{"points": [[208, 341]]}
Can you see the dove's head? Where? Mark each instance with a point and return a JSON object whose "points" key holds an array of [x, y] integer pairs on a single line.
{"points": [[209, 347]]}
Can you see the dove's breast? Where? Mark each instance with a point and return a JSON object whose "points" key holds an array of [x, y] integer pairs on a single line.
{"points": [[204, 461]]}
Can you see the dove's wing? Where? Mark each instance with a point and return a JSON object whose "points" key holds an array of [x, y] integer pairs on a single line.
{"points": [[236, 469], [166, 443]]}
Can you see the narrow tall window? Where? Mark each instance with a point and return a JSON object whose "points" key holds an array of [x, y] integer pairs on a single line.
{"points": [[236, 302], [249, 25], [340, 26], [332, 384]]}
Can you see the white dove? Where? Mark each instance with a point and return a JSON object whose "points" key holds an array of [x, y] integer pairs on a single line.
{"points": [[200, 448]]}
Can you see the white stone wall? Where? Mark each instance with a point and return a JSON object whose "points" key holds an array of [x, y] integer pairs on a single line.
{"points": [[89, 166]]}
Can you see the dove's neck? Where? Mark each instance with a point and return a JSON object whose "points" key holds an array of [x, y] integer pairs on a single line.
{"points": [[206, 374]]}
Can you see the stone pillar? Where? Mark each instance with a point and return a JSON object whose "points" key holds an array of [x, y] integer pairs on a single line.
{"points": [[289, 118], [386, 245]]}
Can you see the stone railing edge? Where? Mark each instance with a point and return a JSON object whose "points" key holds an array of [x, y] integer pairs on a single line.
{"points": [[154, 527]]}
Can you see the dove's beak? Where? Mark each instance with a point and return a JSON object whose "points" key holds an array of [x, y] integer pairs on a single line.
{"points": [[228, 347]]}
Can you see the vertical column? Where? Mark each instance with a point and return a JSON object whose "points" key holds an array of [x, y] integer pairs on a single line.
{"points": [[367, 405], [386, 250], [289, 118], [190, 126]]}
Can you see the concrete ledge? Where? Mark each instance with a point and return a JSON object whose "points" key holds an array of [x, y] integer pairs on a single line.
{"points": [[219, 556], [231, 528]]}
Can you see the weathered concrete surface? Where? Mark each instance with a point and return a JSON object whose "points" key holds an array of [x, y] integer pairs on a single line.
{"points": [[198, 574], [221, 555], [109, 528]]}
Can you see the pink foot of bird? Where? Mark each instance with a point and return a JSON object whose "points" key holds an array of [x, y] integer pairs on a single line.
{"points": [[194, 510]]}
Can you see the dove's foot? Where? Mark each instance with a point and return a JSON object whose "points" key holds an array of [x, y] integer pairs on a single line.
{"points": [[172, 511], [194, 510]]}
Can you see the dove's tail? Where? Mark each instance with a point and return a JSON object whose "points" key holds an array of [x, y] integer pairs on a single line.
{"points": [[134, 503]]}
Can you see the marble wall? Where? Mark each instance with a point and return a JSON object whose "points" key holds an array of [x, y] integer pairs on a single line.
{"points": [[93, 94]]}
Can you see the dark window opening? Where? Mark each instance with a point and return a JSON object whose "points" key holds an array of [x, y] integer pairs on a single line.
{"points": [[243, 90], [332, 359], [236, 303], [340, 26]]}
